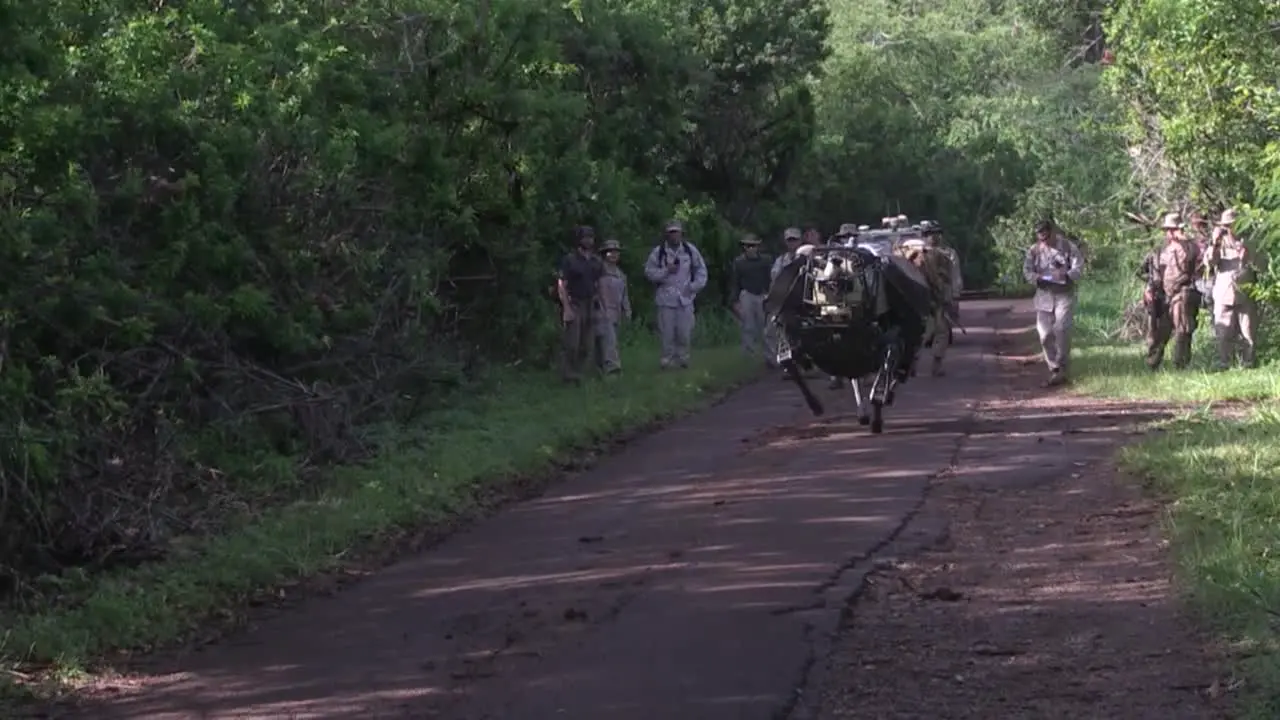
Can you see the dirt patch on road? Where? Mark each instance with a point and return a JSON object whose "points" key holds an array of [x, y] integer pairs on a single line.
{"points": [[1049, 593]]}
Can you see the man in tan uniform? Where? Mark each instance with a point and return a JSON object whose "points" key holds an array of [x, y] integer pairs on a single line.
{"points": [[1174, 269], [1054, 265], [940, 270], [615, 306], [1234, 312], [932, 233]]}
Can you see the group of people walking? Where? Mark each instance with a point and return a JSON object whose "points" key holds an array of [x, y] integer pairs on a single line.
{"points": [[753, 272], [1205, 270]]}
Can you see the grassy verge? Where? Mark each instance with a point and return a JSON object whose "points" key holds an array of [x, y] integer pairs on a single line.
{"points": [[453, 463], [1106, 366], [1219, 475], [1224, 521]]}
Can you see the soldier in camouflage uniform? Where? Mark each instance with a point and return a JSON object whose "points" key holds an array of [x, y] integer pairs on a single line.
{"points": [[940, 269], [615, 306], [1200, 236], [1173, 272], [1054, 266], [933, 238]]}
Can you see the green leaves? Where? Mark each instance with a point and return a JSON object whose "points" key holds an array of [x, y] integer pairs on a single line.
{"points": [[1206, 73]]}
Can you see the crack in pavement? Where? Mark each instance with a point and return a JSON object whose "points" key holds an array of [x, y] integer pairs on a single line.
{"points": [[686, 577], [822, 641]]}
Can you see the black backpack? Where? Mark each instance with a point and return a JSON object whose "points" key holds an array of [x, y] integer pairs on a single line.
{"points": [[687, 247]]}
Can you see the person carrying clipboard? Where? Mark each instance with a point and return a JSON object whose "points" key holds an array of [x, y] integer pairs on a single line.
{"points": [[1054, 265]]}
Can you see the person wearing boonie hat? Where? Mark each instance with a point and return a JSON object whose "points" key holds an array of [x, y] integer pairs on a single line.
{"points": [[1054, 266], [847, 235], [1174, 274], [1234, 311], [749, 279], [615, 306], [678, 270]]}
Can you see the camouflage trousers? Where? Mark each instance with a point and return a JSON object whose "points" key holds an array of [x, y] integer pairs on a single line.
{"points": [[1178, 323], [939, 329], [607, 355]]}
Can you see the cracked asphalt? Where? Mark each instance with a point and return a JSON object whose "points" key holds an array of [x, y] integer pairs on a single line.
{"points": [[697, 574]]}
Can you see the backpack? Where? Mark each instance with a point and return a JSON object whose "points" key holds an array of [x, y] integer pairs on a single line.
{"points": [[936, 268], [687, 247]]}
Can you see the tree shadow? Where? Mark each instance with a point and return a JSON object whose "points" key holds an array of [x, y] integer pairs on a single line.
{"points": [[686, 577]]}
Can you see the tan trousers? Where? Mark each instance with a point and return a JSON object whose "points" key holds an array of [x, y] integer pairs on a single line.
{"points": [[1235, 327]]}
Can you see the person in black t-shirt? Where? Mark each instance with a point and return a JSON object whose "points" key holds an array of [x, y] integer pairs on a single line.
{"points": [[578, 288]]}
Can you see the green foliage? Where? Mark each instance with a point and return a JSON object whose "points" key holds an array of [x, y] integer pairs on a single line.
{"points": [[235, 234], [952, 111], [237, 237], [1201, 75], [1201, 81], [1218, 473]]}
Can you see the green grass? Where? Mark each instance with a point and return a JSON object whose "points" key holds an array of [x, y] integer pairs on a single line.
{"points": [[521, 423], [1223, 480], [1105, 366], [1220, 475]]}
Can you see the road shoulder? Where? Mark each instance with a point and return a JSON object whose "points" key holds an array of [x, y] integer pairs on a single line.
{"points": [[1046, 590]]}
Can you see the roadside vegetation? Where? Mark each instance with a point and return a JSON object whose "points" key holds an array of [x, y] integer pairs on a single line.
{"points": [[451, 464], [1108, 358], [1198, 83], [1219, 474], [1217, 465], [276, 278]]}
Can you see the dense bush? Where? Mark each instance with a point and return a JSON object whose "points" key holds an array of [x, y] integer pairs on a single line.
{"points": [[235, 233], [1200, 82]]}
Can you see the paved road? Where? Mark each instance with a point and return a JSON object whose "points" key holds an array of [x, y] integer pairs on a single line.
{"points": [[694, 575]]}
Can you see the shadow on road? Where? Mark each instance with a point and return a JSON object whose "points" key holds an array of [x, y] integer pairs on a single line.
{"points": [[688, 577]]}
